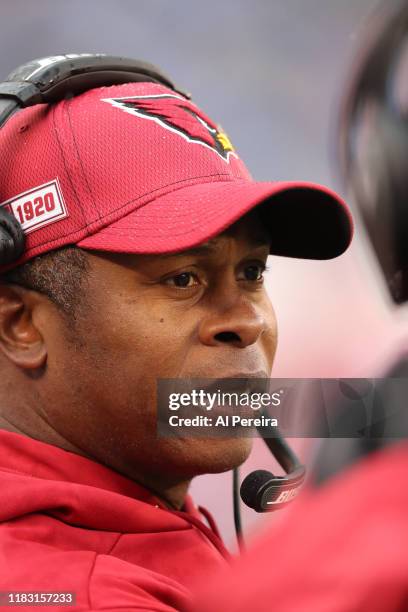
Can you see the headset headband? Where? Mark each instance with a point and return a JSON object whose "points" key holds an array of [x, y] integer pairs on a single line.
{"points": [[51, 79]]}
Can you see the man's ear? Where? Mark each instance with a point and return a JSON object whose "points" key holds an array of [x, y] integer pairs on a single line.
{"points": [[20, 339]]}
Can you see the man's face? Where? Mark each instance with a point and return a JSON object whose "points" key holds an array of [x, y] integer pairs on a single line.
{"points": [[203, 313]]}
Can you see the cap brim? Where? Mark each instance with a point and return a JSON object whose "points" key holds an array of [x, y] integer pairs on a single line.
{"points": [[304, 220]]}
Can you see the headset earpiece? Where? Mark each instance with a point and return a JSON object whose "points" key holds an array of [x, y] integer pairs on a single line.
{"points": [[11, 238]]}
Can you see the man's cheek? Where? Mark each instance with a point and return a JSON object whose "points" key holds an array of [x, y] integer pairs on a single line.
{"points": [[270, 343]]}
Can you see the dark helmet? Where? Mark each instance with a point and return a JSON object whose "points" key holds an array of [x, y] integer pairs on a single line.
{"points": [[374, 143]]}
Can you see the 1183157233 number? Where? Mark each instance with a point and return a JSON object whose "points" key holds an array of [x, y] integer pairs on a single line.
{"points": [[37, 598]]}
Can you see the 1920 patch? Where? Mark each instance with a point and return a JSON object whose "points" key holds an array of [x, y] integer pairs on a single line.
{"points": [[37, 207]]}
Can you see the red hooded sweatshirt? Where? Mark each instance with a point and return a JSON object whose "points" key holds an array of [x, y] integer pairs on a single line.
{"points": [[68, 524], [342, 547]]}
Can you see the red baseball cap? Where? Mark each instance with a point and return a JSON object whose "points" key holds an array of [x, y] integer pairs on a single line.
{"points": [[138, 168]]}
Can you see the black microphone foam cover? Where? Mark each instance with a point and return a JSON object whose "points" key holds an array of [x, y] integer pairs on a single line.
{"points": [[251, 484]]}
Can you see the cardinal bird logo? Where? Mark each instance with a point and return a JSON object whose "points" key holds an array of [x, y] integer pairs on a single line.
{"points": [[179, 116]]}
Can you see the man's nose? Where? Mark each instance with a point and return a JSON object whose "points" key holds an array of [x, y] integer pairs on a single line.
{"points": [[239, 325]]}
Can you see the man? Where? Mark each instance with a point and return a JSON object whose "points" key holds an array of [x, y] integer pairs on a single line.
{"points": [[146, 242], [343, 546]]}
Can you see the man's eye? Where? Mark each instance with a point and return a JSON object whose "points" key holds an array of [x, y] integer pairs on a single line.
{"points": [[254, 272], [184, 279]]}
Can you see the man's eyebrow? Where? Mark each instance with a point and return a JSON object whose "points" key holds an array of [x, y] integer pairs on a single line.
{"points": [[209, 247]]}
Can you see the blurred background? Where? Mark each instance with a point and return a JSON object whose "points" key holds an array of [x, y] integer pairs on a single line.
{"points": [[271, 73]]}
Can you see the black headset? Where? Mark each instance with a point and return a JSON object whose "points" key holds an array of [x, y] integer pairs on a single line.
{"points": [[51, 79]]}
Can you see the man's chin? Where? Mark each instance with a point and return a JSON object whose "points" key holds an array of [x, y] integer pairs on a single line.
{"points": [[216, 455]]}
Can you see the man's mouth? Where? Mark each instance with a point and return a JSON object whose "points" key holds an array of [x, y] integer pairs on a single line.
{"points": [[244, 382], [233, 393], [230, 395]]}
